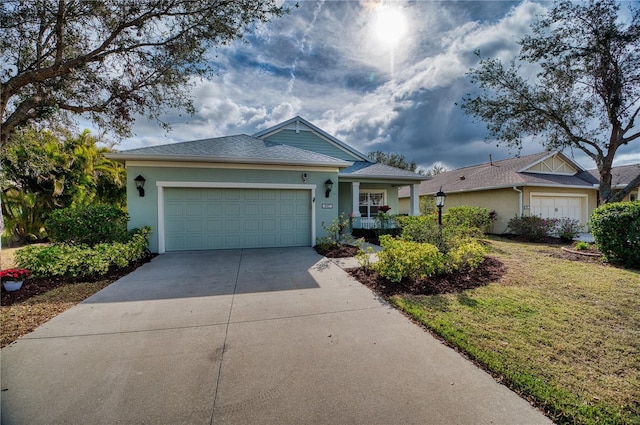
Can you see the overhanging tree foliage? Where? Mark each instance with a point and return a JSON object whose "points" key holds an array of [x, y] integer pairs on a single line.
{"points": [[45, 170], [586, 94], [111, 59], [394, 160]]}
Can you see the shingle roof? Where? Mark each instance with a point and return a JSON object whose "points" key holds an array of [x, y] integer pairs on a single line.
{"points": [[238, 148], [497, 174], [335, 140], [620, 176], [365, 169]]}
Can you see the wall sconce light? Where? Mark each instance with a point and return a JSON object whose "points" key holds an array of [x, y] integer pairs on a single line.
{"points": [[305, 176], [140, 185], [328, 185]]}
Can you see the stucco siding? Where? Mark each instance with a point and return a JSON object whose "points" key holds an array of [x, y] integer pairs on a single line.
{"points": [[312, 142], [144, 210], [503, 201]]}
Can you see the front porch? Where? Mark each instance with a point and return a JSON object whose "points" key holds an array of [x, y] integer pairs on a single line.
{"points": [[363, 201]]}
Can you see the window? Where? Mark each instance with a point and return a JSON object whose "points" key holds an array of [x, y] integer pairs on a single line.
{"points": [[633, 197], [369, 203]]}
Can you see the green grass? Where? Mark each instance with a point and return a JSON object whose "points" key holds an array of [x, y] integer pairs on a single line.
{"points": [[563, 334]]}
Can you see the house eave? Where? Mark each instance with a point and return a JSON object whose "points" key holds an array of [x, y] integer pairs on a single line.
{"points": [[509, 186], [123, 158], [398, 180]]}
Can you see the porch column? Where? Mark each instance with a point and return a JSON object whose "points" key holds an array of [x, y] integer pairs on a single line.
{"points": [[415, 199], [355, 199]]}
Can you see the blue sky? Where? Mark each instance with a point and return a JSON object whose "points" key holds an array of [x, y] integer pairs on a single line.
{"points": [[378, 75]]}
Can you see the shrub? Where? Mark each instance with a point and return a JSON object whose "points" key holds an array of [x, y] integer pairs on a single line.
{"points": [[616, 230], [407, 259], [567, 228], [532, 228], [582, 246], [469, 217], [425, 229], [466, 256], [63, 260], [335, 233], [419, 229], [89, 225]]}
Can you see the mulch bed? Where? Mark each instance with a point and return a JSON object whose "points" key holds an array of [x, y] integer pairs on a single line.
{"points": [[491, 270], [337, 251], [35, 286]]}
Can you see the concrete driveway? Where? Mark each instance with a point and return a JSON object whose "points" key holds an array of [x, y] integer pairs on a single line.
{"points": [[267, 336]]}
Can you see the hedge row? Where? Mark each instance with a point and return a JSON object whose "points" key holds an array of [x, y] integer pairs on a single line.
{"points": [[64, 260]]}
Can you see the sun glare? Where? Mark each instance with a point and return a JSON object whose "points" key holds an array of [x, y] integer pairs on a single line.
{"points": [[390, 26]]}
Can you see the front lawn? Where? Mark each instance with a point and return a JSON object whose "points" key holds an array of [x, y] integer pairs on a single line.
{"points": [[564, 334]]}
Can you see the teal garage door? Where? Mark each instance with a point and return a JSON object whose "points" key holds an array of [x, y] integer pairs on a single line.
{"points": [[222, 218]]}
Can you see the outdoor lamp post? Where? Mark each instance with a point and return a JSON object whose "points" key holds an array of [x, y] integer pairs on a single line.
{"points": [[439, 197]]}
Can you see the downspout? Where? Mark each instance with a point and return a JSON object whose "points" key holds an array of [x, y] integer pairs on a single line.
{"points": [[519, 200]]}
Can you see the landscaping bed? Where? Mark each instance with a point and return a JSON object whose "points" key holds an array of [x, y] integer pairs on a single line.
{"points": [[491, 270], [35, 286], [559, 328]]}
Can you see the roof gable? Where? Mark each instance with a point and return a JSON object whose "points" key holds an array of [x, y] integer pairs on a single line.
{"points": [[302, 134], [554, 163]]}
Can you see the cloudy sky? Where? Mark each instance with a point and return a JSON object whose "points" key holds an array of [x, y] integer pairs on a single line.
{"points": [[378, 75]]}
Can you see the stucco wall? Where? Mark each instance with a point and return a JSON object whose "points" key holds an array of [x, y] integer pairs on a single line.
{"points": [[144, 210], [503, 201]]}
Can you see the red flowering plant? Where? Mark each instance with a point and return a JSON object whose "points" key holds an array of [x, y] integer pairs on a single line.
{"points": [[384, 208], [13, 275]]}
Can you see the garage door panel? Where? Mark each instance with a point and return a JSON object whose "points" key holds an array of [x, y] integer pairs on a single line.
{"points": [[270, 195], [252, 225], [214, 194], [557, 207], [215, 226], [252, 209], [269, 224], [197, 218], [194, 226], [214, 210], [232, 225], [286, 209], [268, 209]]}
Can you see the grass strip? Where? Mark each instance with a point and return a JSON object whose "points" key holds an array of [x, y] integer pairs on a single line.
{"points": [[19, 319], [564, 334]]}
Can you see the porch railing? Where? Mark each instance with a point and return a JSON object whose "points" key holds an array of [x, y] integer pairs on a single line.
{"points": [[373, 223]]}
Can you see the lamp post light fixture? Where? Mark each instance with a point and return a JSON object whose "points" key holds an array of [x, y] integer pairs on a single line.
{"points": [[328, 185], [140, 185], [439, 197]]}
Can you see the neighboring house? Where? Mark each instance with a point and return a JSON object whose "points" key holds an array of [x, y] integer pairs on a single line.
{"points": [[547, 184], [276, 188], [620, 178]]}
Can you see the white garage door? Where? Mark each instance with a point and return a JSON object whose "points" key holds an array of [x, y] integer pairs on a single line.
{"points": [[557, 206], [222, 218]]}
